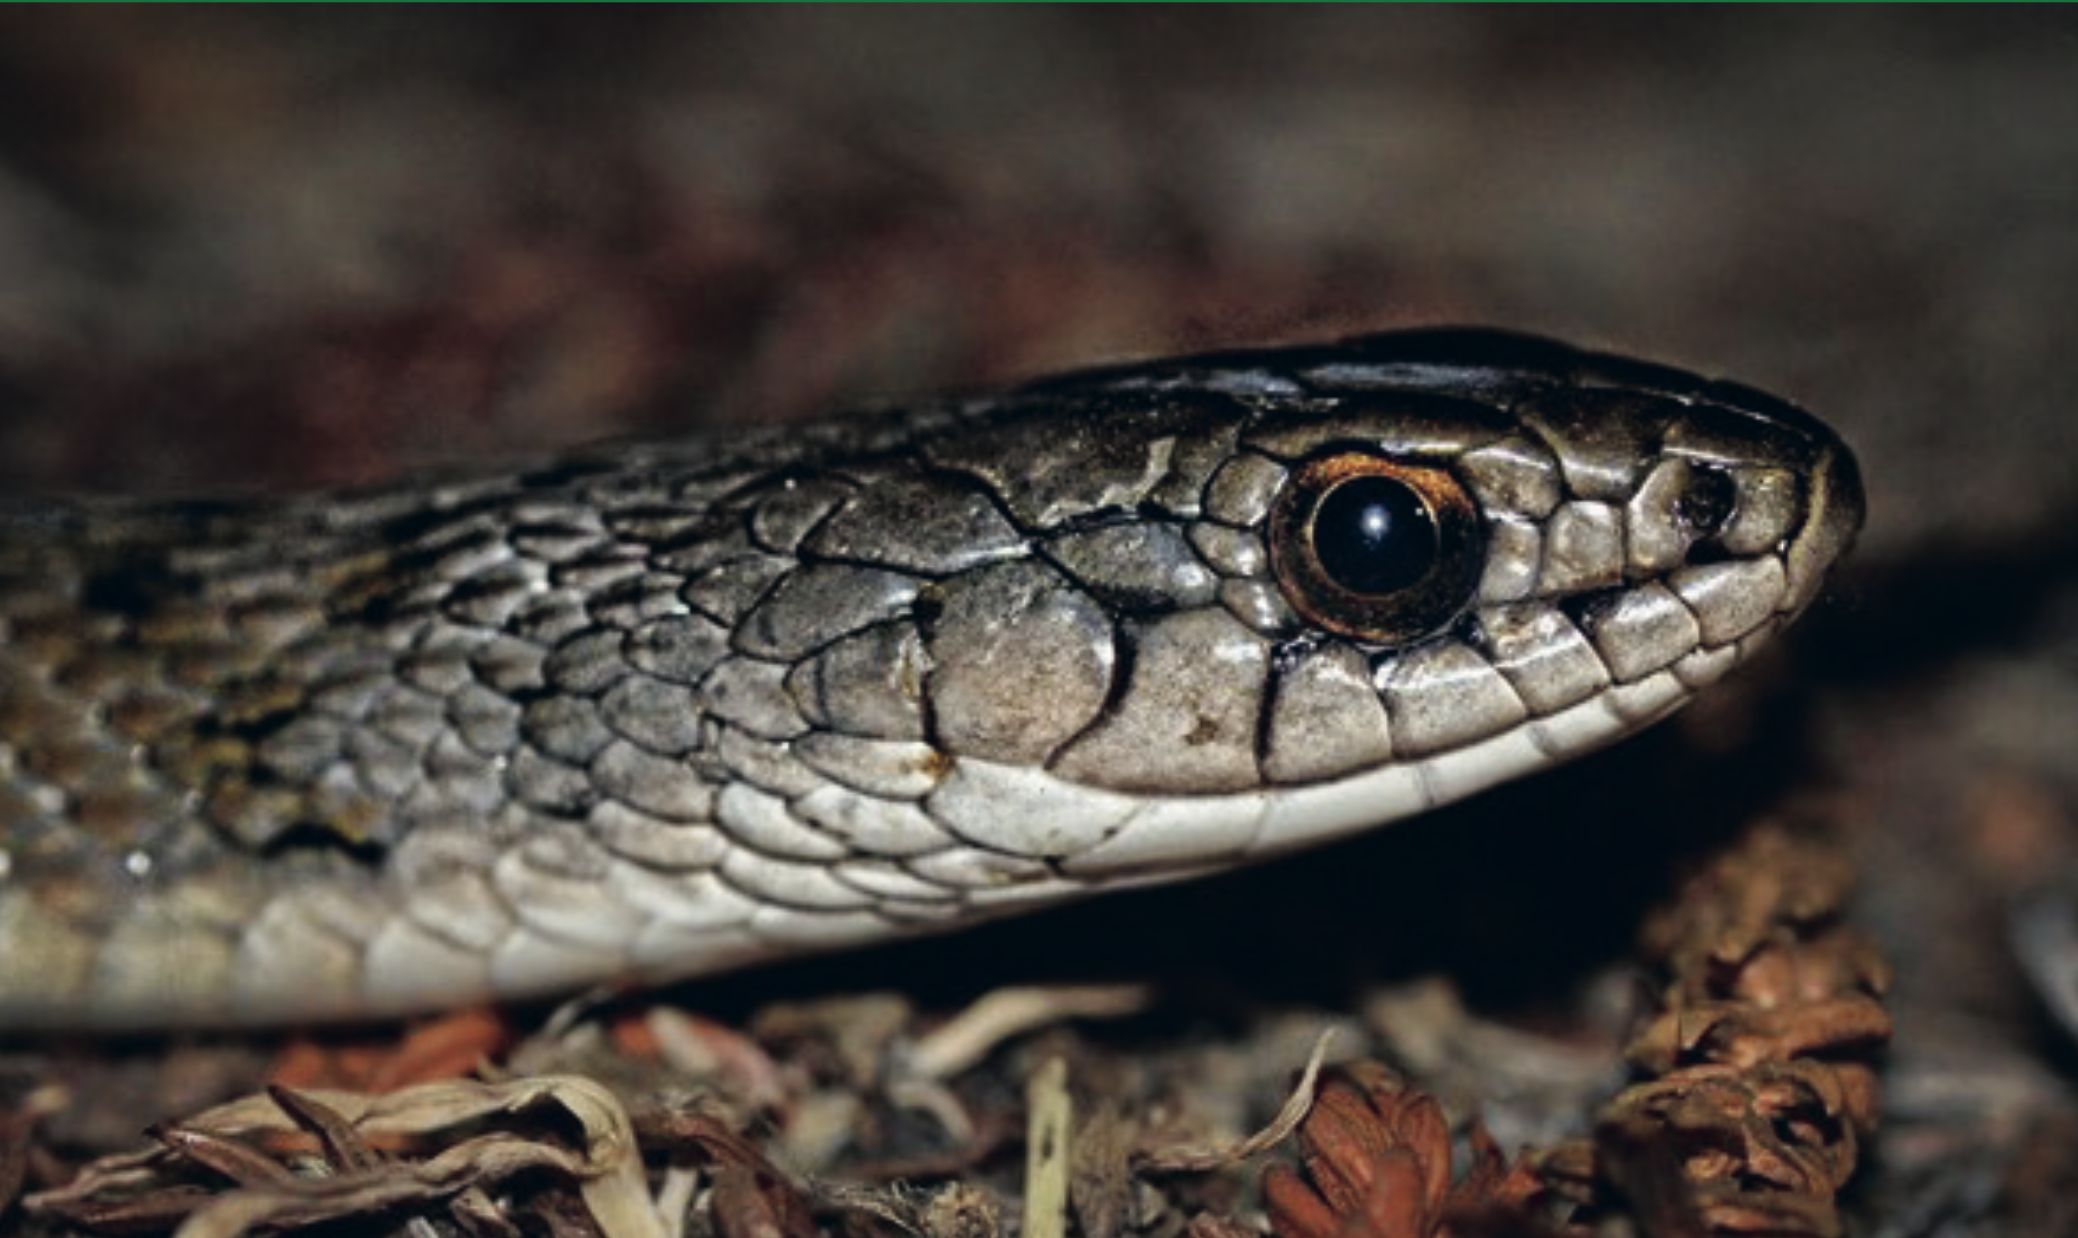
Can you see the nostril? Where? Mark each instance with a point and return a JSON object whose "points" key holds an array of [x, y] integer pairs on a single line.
{"points": [[1707, 501]]}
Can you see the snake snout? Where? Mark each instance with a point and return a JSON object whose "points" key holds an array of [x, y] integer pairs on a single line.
{"points": [[1832, 518]]}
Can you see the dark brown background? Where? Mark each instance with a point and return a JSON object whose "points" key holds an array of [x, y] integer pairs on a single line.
{"points": [[265, 249]]}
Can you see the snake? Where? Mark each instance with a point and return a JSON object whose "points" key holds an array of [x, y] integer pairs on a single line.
{"points": [[649, 711]]}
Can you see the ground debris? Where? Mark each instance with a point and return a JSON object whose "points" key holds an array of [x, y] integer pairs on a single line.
{"points": [[294, 1159], [1760, 1095], [1375, 1160], [1763, 1054]]}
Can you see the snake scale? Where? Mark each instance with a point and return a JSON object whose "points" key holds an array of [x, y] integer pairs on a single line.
{"points": [[666, 709]]}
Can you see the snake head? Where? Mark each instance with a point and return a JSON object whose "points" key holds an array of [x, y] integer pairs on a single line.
{"points": [[1252, 601]]}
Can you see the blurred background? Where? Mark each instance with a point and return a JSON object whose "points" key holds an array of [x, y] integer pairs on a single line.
{"points": [[263, 249]]}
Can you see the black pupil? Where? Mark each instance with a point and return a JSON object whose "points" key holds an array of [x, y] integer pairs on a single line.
{"points": [[1373, 535]]}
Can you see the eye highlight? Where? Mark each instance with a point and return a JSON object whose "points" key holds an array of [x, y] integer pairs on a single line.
{"points": [[1375, 548]]}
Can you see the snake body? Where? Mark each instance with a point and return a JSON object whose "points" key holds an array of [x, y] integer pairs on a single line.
{"points": [[662, 710]]}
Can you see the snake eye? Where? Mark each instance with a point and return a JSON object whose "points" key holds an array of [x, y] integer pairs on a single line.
{"points": [[1379, 549]]}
